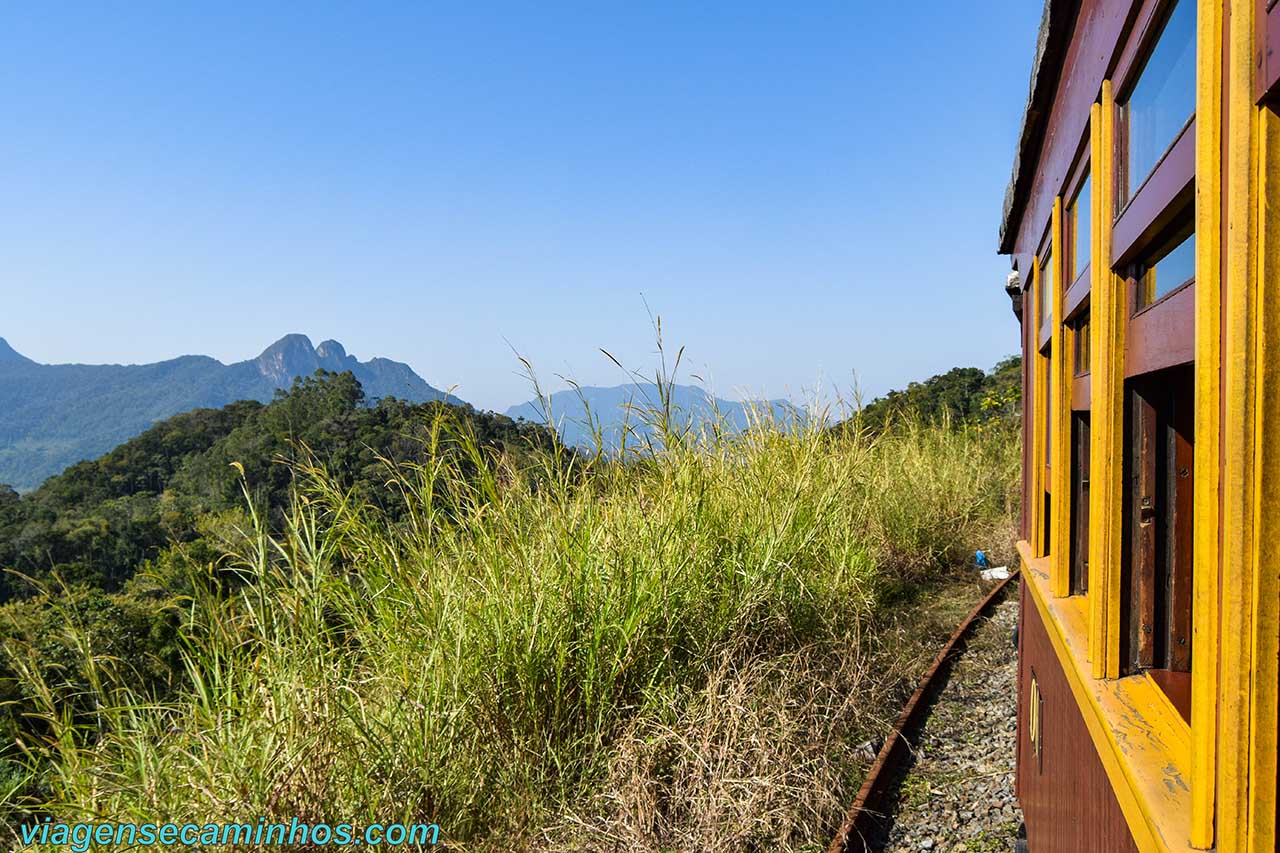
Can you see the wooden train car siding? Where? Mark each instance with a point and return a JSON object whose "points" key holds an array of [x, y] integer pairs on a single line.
{"points": [[1134, 730], [1150, 659], [1089, 817]]}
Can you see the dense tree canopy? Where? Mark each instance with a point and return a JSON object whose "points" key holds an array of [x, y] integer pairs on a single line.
{"points": [[98, 521], [963, 394]]}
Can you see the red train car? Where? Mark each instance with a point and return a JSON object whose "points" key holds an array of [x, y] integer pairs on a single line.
{"points": [[1143, 226]]}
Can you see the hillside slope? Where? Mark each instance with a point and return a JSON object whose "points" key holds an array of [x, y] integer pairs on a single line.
{"points": [[99, 520]]}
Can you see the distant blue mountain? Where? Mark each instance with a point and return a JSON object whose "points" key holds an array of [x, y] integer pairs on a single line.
{"points": [[612, 408], [53, 415]]}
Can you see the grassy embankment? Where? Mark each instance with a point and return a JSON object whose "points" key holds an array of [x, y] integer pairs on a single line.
{"points": [[677, 652]]}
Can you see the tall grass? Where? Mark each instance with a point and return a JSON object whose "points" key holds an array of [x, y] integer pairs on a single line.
{"points": [[676, 650]]}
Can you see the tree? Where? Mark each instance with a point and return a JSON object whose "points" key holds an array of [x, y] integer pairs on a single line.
{"points": [[963, 394]]}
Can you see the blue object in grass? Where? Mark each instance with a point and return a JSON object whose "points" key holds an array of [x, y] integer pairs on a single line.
{"points": [[980, 560]]}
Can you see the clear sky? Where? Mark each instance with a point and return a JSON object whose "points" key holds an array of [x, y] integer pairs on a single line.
{"points": [[801, 190]]}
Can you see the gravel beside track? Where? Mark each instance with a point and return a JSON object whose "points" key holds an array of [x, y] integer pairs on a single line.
{"points": [[956, 794]]}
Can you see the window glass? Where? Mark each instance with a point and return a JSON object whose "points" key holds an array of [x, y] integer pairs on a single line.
{"points": [[1046, 290], [1048, 415], [1082, 346], [1080, 229], [1165, 95], [1175, 268], [1079, 574]]}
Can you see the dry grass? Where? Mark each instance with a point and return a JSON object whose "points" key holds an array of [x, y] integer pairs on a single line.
{"points": [[758, 757], [766, 754]]}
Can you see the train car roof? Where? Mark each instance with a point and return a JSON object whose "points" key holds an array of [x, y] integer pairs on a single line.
{"points": [[1056, 24]]}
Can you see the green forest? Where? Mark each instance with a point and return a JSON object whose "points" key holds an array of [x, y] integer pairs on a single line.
{"points": [[961, 395]]}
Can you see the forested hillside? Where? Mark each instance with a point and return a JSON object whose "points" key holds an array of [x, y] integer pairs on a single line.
{"points": [[111, 546], [99, 520], [961, 395]]}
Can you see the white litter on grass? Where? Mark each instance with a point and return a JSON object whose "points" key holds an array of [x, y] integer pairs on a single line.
{"points": [[999, 573]]}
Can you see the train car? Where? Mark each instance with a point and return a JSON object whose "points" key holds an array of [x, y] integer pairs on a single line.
{"points": [[1142, 223]]}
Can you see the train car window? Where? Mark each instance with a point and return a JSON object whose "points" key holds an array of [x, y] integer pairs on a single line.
{"points": [[1162, 100], [1046, 546], [1157, 576], [1172, 269], [1156, 172], [1048, 412], [1161, 325], [1079, 229], [1079, 503], [1081, 355], [1046, 291]]}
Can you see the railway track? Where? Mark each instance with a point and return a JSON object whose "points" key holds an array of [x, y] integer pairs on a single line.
{"points": [[943, 779]]}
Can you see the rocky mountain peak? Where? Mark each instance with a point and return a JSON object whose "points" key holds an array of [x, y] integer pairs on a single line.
{"points": [[292, 355], [332, 351]]}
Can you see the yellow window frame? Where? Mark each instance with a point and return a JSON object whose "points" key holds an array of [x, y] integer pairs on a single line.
{"points": [[1060, 364]]}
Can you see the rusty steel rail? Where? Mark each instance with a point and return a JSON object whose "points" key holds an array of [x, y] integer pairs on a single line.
{"points": [[869, 808]]}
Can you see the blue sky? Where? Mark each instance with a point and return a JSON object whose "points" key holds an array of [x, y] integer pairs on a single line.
{"points": [[802, 191]]}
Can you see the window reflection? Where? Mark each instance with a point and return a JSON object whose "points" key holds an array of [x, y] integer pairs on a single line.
{"points": [[1165, 96], [1080, 228], [1048, 414], [1174, 269]]}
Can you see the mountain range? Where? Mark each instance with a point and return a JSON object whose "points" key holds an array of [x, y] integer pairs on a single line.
{"points": [[53, 415], [631, 405]]}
